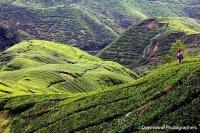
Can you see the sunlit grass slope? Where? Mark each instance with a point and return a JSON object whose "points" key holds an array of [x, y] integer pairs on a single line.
{"points": [[166, 96], [46, 67], [182, 24]]}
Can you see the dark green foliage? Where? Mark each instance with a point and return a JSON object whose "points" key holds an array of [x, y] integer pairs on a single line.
{"points": [[88, 24], [8, 37], [146, 44]]}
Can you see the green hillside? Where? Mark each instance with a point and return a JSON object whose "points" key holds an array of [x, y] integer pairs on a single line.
{"points": [[68, 24], [144, 44], [166, 96], [46, 67], [87, 24]]}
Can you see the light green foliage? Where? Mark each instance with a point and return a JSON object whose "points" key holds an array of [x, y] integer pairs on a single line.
{"points": [[159, 98], [63, 89], [167, 59], [182, 24], [37, 66]]}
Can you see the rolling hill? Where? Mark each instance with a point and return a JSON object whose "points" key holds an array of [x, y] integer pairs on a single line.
{"points": [[45, 67], [166, 96], [145, 44], [87, 24]]}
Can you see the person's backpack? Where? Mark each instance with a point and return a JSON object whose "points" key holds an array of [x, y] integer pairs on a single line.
{"points": [[179, 55]]}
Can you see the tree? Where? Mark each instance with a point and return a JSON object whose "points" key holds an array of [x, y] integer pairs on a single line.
{"points": [[8, 37], [176, 46]]}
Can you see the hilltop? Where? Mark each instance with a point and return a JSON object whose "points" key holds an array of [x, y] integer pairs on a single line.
{"points": [[145, 44], [159, 98], [87, 24]]}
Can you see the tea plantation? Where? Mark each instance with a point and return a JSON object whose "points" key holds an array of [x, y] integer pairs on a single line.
{"points": [[85, 94], [46, 67]]}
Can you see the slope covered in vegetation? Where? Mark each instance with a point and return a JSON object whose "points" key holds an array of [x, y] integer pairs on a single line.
{"points": [[150, 40], [166, 96], [88, 24], [69, 25], [46, 67]]}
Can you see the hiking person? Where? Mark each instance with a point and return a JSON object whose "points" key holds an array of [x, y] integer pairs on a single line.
{"points": [[180, 56]]}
